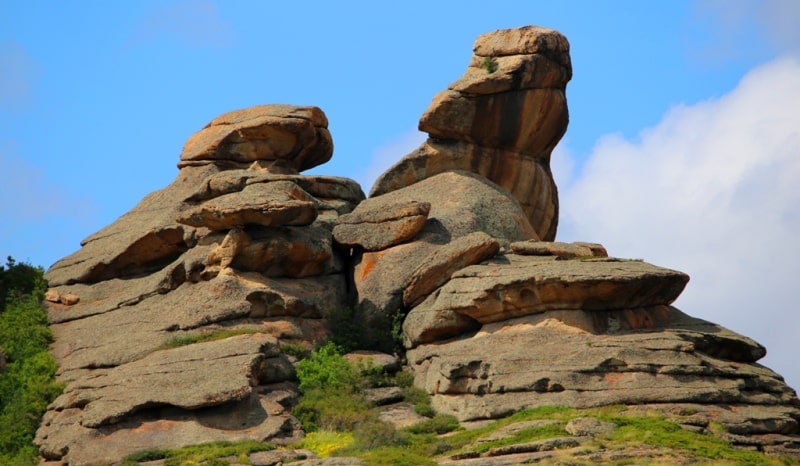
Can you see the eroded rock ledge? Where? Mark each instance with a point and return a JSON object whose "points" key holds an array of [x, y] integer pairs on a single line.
{"points": [[456, 243]]}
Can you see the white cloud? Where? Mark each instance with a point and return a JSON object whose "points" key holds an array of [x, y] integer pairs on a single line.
{"points": [[712, 190], [191, 22], [387, 155]]}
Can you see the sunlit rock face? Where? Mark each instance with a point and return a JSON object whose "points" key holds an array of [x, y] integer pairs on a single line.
{"points": [[501, 119], [171, 324]]}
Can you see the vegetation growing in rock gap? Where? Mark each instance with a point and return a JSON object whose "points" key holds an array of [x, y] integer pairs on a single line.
{"points": [[27, 384], [489, 64], [337, 416], [350, 330], [208, 454]]}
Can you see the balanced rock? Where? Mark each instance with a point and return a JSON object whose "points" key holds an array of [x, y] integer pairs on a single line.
{"points": [[375, 226], [501, 120], [169, 323], [230, 247], [277, 138]]}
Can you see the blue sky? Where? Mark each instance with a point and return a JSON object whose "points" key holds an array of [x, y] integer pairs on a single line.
{"points": [[682, 147]]}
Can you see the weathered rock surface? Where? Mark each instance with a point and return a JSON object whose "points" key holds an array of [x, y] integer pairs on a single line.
{"points": [[288, 138], [558, 249], [375, 226], [469, 219], [501, 120], [168, 323], [223, 248], [656, 356], [513, 286]]}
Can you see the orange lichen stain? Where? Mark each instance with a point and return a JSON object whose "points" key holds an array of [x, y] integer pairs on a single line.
{"points": [[368, 261], [613, 377]]}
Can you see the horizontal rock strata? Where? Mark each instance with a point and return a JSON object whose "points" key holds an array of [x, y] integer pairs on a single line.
{"points": [[233, 246], [501, 120]]}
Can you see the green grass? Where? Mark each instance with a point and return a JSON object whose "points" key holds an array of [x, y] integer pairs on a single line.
{"points": [[208, 454], [28, 384]]}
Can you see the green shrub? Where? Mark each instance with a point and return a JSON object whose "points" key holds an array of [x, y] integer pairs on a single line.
{"points": [[208, 454], [295, 349], [28, 384], [421, 400], [325, 369], [18, 279], [334, 409], [438, 424], [489, 64]]}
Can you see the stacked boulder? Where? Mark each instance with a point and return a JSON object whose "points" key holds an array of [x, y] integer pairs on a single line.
{"points": [[169, 323], [501, 119], [238, 245], [523, 322]]}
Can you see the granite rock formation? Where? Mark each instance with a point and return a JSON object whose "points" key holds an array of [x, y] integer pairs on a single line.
{"points": [[501, 120], [169, 323], [232, 246]]}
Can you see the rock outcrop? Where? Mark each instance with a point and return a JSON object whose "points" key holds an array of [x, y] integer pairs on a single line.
{"points": [[233, 245], [170, 323], [501, 120]]}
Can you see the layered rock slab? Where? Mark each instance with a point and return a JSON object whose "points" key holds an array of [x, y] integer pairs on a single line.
{"points": [[486, 376], [288, 138], [240, 242], [469, 219], [502, 120], [512, 286]]}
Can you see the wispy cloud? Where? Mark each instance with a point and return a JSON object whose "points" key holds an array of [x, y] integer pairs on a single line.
{"points": [[17, 73], [737, 28], [711, 190], [387, 155], [196, 23]]}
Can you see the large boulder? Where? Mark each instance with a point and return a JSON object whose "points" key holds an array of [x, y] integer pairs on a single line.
{"points": [[501, 120], [276, 138], [470, 218]]}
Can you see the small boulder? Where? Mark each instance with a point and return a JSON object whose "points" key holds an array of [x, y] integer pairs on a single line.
{"points": [[280, 138], [378, 223], [558, 249], [267, 204]]}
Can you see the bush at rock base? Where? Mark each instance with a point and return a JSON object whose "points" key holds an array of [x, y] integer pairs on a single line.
{"points": [[28, 384], [209, 454]]}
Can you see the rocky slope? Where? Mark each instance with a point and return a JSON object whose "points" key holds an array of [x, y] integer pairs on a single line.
{"points": [[170, 323]]}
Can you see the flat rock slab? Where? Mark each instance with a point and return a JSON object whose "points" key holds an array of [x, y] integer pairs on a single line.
{"points": [[293, 138], [559, 249], [513, 285], [147, 236], [189, 377], [379, 222], [589, 427], [515, 365], [256, 417], [319, 186], [437, 268], [267, 204]]}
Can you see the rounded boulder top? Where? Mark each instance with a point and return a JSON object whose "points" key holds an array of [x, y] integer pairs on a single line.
{"points": [[287, 138]]}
